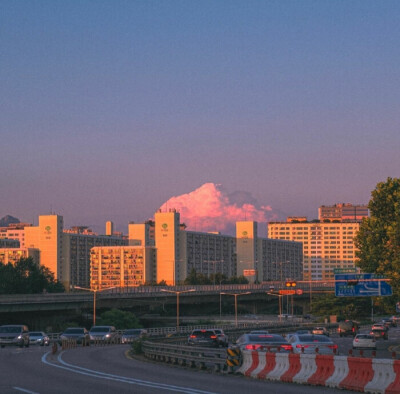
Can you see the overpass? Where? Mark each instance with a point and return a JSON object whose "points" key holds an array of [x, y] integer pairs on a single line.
{"points": [[121, 298]]}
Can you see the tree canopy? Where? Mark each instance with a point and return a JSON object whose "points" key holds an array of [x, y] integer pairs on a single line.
{"points": [[378, 240], [120, 319], [26, 277]]}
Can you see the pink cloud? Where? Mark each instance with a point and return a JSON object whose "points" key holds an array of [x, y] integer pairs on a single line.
{"points": [[210, 208]]}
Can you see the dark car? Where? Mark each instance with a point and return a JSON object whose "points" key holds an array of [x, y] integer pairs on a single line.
{"points": [[39, 338], [103, 334], [348, 327], [387, 322], [79, 334], [17, 335], [263, 342], [380, 333], [203, 338], [133, 334]]}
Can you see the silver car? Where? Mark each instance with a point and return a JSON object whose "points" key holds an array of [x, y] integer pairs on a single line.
{"points": [[17, 335], [309, 343], [39, 338], [364, 341], [102, 333]]}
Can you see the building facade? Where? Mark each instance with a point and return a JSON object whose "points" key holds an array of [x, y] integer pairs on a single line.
{"points": [[66, 252], [343, 212], [13, 255], [121, 266], [326, 245], [265, 259]]}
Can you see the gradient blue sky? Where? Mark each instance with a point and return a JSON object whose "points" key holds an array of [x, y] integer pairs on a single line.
{"points": [[109, 108]]}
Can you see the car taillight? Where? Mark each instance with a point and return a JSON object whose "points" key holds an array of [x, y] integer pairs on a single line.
{"points": [[193, 336], [356, 340], [253, 347], [300, 346], [287, 347], [383, 333], [213, 337], [332, 346]]}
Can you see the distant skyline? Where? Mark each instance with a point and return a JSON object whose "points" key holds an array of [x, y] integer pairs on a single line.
{"points": [[110, 109]]}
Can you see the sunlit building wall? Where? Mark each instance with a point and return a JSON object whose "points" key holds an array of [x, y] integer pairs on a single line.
{"points": [[325, 245], [9, 243], [121, 266], [13, 255]]}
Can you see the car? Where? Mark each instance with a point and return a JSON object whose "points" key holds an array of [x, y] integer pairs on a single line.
{"points": [[379, 326], [309, 343], [364, 341], [320, 331], [16, 335], [203, 338], [387, 322], [39, 338], [103, 334], [263, 342], [348, 327], [133, 334], [222, 337], [79, 334], [380, 333], [302, 332]]}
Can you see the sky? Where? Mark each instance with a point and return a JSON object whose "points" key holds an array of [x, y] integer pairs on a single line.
{"points": [[110, 110]]}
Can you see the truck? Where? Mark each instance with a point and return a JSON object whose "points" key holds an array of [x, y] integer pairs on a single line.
{"points": [[348, 327]]}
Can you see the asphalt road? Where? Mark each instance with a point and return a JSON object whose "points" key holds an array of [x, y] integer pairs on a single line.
{"points": [[108, 370]]}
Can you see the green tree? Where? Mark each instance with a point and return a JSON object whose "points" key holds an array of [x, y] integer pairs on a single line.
{"points": [[26, 277], [378, 240], [120, 319]]}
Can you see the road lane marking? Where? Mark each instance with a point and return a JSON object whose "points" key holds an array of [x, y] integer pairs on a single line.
{"points": [[118, 378], [25, 390]]}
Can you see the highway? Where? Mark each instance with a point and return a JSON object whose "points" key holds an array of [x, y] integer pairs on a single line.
{"points": [[108, 370]]}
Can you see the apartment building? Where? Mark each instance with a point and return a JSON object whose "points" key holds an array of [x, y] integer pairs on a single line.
{"points": [[15, 231], [66, 252], [326, 245], [265, 259], [13, 255], [9, 243], [343, 212], [121, 266]]}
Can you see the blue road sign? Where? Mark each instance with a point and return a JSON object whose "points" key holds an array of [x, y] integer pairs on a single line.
{"points": [[361, 285]]}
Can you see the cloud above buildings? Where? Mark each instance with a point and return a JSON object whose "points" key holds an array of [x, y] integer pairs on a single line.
{"points": [[212, 208]]}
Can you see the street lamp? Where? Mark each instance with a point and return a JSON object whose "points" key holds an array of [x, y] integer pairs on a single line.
{"points": [[236, 296], [94, 291], [280, 303], [177, 302]]}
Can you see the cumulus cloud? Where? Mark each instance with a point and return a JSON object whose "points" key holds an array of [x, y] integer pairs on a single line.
{"points": [[211, 208]]}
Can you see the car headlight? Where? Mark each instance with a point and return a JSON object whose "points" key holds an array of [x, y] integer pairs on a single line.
{"points": [[19, 336], [107, 336]]}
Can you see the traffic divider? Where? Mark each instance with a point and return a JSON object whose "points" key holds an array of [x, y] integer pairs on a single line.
{"points": [[360, 373], [384, 376], [325, 368], [294, 368], [394, 387], [308, 368]]}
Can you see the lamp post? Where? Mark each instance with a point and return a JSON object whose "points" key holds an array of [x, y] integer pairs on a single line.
{"points": [[177, 302], [220, 298], [236, 296], [279, 303], [94, 291]]}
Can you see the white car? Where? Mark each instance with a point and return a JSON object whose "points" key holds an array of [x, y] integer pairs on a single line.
{"points": [[364, 341]]}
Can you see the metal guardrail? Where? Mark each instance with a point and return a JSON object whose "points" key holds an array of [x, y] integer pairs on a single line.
{"points": [[202, 358]]}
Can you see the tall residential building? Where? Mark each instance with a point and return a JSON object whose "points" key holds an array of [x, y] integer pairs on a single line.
{"points": [[47, 237], [141, 234], [343, 212], [167, 243], [264, 259], [66, 252], [121, 266], [326, 245]]}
